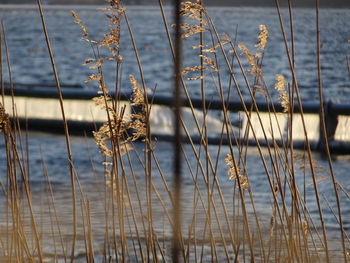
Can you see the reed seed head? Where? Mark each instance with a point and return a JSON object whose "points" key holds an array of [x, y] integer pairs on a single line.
{"points": [[83, 28], [193, 11], [3, 117], [137, 93], [262, 37], [234, 172], [254, 70], [305, 228], [280, 86]]}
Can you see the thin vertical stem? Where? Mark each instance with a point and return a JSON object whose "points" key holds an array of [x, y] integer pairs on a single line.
{"points": [[69, 152], [1, 73], [177, 134], [324, 130], [307, 143]]}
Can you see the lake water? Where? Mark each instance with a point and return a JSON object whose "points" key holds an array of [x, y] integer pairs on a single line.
{"points": [[30, 65]]}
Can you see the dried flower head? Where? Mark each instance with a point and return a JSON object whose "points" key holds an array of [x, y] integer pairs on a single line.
{"points": [[280, 86], [234, 172], [113, 136], [138, 119], [192, 69], [193, 11], [138, 98], [262, 37], [3, 117], [83, 28], [305, 228], [209, 62], [254, 70], [93, 77], [190, 30]]}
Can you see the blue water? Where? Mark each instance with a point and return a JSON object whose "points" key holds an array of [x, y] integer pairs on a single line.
{"points": [[30, 61]]}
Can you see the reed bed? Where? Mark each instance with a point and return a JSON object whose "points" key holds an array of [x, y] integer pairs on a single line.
{"points": [[206, 210]]}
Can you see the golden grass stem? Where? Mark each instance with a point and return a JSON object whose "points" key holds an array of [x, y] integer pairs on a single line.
{"points": [[324, 129], [66, 131]]}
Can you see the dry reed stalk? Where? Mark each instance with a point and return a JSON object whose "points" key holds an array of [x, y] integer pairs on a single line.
{"points": [[291, 96], [52, 199], [9, 68], [206, 210], [215, 182], [304, 128], [132, 209], [224, 113], [66, 131], [11, 144], [245, 109], [336, 218], [225, 124], [148, 157], [247, 83], [196, 12], [19, 242], [183, 84], [115, 127], [324, 129], [177, 136], [2, 82], [257, 221], [262, 38]]}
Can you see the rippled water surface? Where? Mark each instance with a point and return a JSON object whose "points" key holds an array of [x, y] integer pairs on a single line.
{"points": [[47, 155], [31, 64]]}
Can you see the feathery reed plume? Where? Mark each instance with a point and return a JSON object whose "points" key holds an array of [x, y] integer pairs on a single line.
{"points": [[235, 171], [112, 39], [191, 30], [137, 119], [280, 86], [101, 136], [3, 117], [225, 39], [209, 62], [305, 228], [83, 28], [118, 123], [193, 69], [255, 69], [121, 124], [253, 59], [193, 11], [137, 93], [262, 37]]}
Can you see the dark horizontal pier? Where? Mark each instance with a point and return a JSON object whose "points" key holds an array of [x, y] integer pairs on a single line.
{"points": [[76, 92]]}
